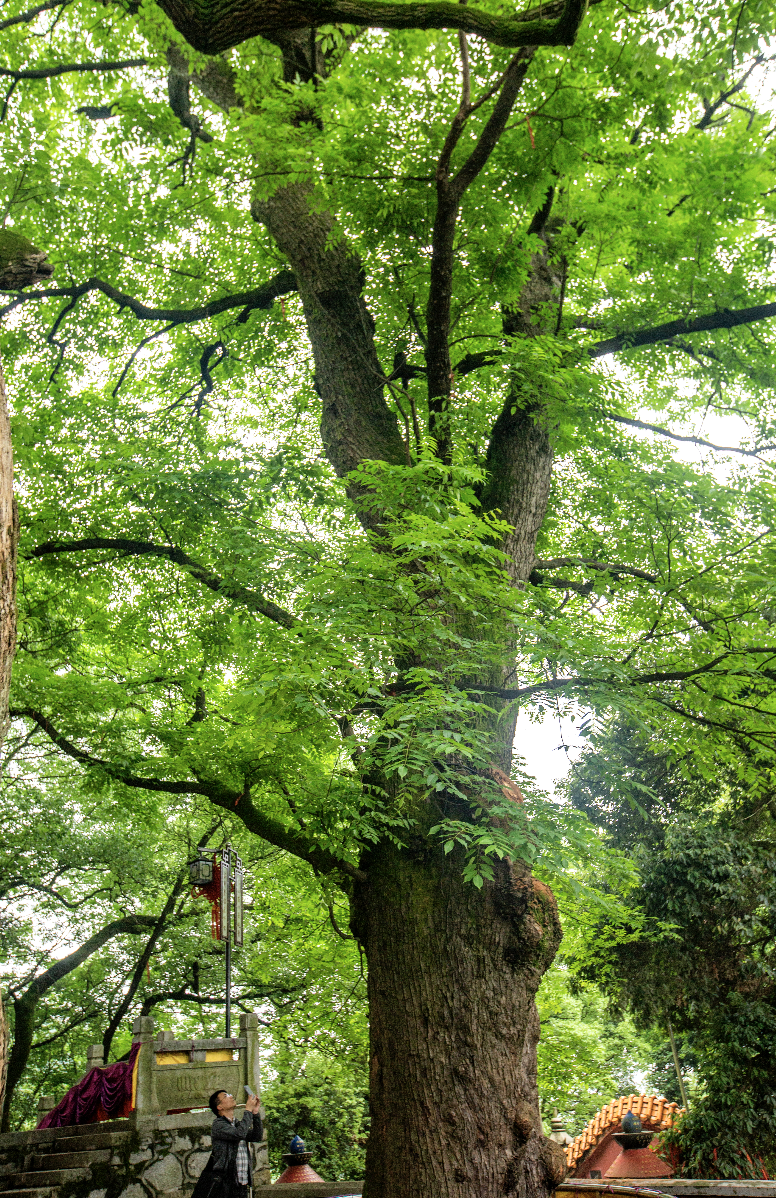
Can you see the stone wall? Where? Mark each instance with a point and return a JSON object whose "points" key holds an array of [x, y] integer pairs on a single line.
{"points": [[170, 1153], [154, 1157]]}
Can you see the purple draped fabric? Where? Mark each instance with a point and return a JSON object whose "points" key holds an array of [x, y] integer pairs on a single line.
{"points": [[109, 1088]]}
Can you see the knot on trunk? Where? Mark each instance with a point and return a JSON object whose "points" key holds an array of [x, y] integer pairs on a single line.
{"points": [[534, 1154], [530, 908], [553, 1160]]}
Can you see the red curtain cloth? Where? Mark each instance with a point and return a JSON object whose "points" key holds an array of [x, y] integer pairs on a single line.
{"points": [[102, 1094]]}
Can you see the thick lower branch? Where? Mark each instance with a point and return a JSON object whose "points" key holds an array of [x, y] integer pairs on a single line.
{"points": [[237, 803], [212, 27], [65, 68], [260, 297], [724, 319], [230, 590]]}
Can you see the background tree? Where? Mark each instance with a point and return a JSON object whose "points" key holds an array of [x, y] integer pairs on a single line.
{"points": [[586, 1056], [708, 881], [62, 883], [328, 634]]}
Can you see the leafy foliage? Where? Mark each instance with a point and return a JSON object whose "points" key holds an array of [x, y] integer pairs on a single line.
{"points": [[325, 1105], [586, 1057], [209, 613], [709, 883]]}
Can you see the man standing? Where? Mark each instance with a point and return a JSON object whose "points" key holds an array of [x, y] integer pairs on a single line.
{"points": [[228, 1173]]}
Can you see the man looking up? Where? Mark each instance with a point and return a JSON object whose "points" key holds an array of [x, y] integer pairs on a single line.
{"points": [[228, 1173]]}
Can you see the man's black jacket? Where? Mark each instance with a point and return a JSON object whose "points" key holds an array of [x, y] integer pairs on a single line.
{"points": [[220, 1173]]}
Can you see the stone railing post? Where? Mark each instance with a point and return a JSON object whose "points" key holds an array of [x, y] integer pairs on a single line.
{"points": [[94, 1056], [143, 1031], [249, 1027]]}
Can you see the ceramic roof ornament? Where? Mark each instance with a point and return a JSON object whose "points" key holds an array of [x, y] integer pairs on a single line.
{"points": [[297, 1160], [631, 1121]]}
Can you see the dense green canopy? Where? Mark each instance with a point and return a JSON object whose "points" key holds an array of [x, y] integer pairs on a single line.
{"points": [[527, 297]]}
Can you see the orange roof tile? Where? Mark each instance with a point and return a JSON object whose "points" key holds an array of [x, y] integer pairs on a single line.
{"points": [[655, 1111]]}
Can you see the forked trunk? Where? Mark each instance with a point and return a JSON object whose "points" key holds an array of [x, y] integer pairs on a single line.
{"points": [[452, 970], [453, 1027]]}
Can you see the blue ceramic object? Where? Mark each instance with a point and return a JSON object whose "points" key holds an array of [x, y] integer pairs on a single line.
{"points": [[297, 1145], [631, 1122]]}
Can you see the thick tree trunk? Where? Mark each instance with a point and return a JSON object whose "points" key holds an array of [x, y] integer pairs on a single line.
{"points": [[356, 423], [9, 535], [519, 477], [452, 970], [453, 1027]]}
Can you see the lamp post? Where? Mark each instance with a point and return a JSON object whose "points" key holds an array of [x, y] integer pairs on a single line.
{"points": [[223, 885]]}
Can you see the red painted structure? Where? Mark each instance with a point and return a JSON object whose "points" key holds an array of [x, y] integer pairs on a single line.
{"points": [[638, 1163], [298, 1173], [594, 1151]]}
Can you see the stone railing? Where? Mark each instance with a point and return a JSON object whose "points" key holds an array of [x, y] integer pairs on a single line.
{"points": [[179, 1075]]}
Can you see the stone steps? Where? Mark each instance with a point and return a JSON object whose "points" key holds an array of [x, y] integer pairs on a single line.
{"points": [[36, 1192], [153, 1157], [42, 1178], [69, 1160], [97, 1140], [87, 1129], [37, 1164]]}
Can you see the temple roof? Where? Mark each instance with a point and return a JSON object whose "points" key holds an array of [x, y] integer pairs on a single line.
{"points": [[655, 1113]]}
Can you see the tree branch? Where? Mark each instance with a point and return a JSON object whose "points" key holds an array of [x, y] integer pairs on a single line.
{"points": [[725, 318], [31, 13], [25, 884], [709, 110], [494, 126], [182, 995], [237, 803], [450, 192], [556, 563], [131, 924], [63, 1031], [137, 976], [212, 26], [554, 684], [260, 297], [67, 68], [665, 432], [253, 600]]}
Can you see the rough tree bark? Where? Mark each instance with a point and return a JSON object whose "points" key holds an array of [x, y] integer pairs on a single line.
{"points": [[453, 1027], [452, 971], [4, 1037], [356, 423]]}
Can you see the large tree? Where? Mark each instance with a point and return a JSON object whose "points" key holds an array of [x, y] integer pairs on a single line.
{"points": [[420, 227]]}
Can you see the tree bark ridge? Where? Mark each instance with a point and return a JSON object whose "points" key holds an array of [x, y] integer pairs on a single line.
{"points": [[356, 422], [212, 26], [453, 1027]]}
